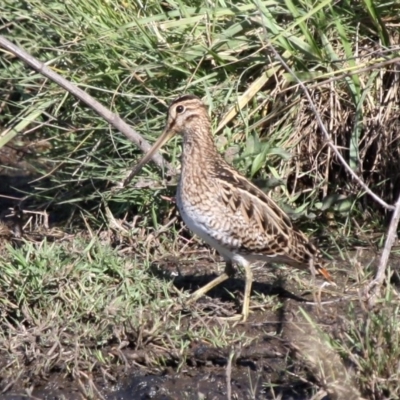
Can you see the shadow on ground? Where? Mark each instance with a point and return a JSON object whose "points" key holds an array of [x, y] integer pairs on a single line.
{"points": [[264, 367], [261, 366]]}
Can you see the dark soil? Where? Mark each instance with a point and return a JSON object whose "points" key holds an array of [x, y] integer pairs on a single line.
{"points": [[265, 367]]}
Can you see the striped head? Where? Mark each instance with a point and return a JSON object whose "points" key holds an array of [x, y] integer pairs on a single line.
{"points": [[187, 116]]}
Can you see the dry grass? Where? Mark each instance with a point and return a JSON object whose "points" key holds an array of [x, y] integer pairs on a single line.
{"points": [[89, 303], [348, 63]]}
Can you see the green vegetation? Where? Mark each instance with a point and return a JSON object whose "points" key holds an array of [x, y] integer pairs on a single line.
{"points": [[83, 297], [87, 279]]}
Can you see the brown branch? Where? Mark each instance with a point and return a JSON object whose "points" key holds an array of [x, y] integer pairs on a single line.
{"points": [[229, 376], [372, 291], [111, 118]]}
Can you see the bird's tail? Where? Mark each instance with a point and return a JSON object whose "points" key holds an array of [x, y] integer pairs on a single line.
{"points": [[310, 254]]}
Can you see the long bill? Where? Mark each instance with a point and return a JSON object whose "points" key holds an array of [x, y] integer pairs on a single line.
{"points": [[164, 137]]}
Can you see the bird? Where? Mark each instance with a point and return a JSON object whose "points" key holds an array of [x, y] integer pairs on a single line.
{"points": [[226, 210]]}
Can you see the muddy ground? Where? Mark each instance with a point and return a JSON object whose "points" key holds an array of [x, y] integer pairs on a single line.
{"points": [[257, 371], [268, 365]]}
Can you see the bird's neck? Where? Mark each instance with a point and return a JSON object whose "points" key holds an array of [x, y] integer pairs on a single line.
{"points": [[199, 146], [199, 154]]}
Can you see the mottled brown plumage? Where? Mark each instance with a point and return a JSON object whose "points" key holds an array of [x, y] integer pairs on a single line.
{"points": [[225, 209]]}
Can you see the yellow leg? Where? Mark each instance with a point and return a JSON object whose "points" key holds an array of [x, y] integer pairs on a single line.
{"points": [[246, 299], [229, 272], [203, 290], [247, 291]]}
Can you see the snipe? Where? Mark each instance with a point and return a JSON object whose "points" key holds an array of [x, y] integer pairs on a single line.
{"points": [[225, 209]]}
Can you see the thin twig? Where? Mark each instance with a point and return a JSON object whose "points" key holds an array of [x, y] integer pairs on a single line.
{"points": [[353, 72], [372, 291], [343, 75], [324, 130], [111, 118], [229, 376]]}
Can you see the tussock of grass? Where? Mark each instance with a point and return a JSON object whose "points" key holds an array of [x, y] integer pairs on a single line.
{"points": [[359, 358], [62, 304], [136, 59], [370, 344], [316, 349]]}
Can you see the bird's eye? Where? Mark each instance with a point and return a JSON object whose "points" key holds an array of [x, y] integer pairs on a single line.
{"points": [[180, 109]]}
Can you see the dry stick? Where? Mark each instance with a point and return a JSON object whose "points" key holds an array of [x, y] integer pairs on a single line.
{"points": [[111, 118], [229, 376], [372, 290]]}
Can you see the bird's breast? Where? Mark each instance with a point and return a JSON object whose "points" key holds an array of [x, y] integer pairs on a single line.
{"points": [[196, 211], [204, 216]]}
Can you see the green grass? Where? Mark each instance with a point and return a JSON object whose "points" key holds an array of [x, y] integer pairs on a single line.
{"points": [[135, 60], [82, 296]]}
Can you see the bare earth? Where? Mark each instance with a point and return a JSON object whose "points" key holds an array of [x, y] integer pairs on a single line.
{"points": [[265, 366], [266, 362]]}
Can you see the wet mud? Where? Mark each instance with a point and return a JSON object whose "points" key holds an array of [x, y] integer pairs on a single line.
{"points": [[266, 367]]}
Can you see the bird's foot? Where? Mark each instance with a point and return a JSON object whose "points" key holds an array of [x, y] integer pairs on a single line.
{"points": [[239, 318]]}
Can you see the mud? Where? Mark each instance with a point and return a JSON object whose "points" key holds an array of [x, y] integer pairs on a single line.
{"points": [[265, 368]]}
